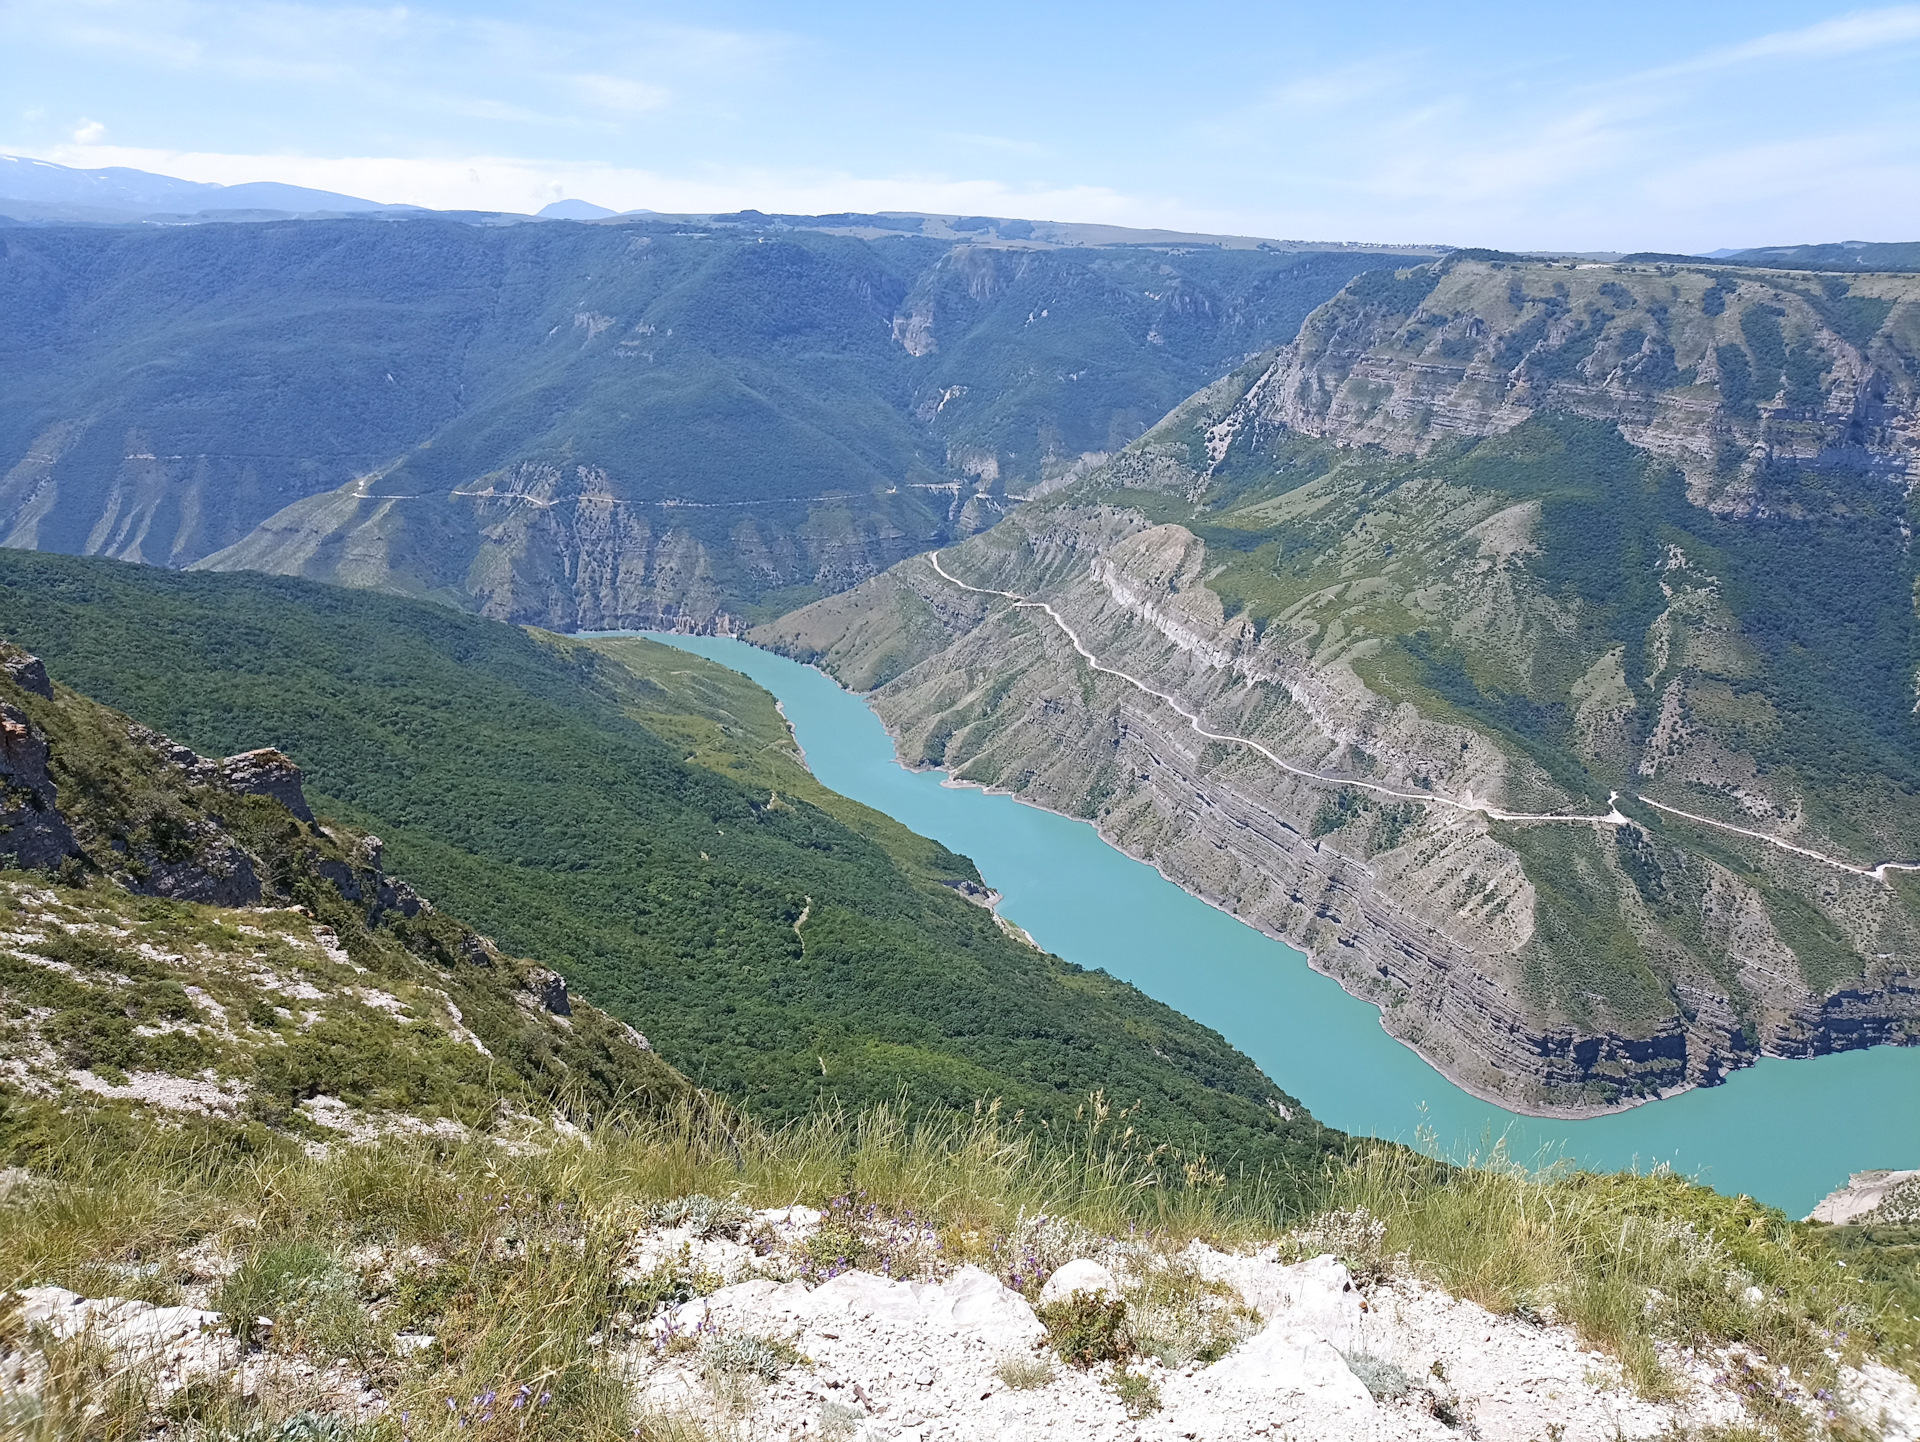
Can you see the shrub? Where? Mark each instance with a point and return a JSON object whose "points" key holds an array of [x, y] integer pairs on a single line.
{"points": [[1086, 1328], [747, 1354], [1384, 1379], [839, 1422], [1178, 1316], [1136, 1391], [701, 1215], [672, 1282], [307, 1295]]}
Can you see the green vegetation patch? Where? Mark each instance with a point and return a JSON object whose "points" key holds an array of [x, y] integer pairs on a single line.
{"points": [[542, 790]]}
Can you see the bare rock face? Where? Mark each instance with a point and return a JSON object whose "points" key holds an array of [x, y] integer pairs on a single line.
{"points": [[267, 772], [170, 843], [1683, 359], [33, 833], [549, 989], [362, 880], [26, 672]]}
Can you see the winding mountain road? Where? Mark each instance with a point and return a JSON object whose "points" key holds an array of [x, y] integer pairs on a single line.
{"points": [[1465, 804]]}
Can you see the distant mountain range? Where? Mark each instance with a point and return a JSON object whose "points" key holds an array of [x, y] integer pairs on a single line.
{"points": [[661, 420], [40, 190]]}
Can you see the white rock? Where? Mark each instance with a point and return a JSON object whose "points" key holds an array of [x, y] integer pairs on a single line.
{"points": [[969, 1301], [1079, 1275], [1321, 1297], [41, 1305], [788, 1224], [1281, 1358], [1882, 1401]]}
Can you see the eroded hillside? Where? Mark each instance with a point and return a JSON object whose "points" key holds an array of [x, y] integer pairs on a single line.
{"points": [[1533, 643], [673, 421]]}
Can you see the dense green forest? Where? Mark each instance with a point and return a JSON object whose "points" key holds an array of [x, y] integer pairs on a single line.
{"points": [[777, 943]]}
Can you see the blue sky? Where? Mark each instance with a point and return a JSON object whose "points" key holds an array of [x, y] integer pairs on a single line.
{"points": [[1670, 126]]}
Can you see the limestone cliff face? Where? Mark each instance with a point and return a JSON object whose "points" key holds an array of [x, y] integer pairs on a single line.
{"points": [[33, 833], [1721, 371], [560, 548], [1406, 628]]}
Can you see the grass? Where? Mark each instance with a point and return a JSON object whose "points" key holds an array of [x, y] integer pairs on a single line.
{"points": [[518, 1257], [521, 1282], [1632, 1263], [1024, 1374]]}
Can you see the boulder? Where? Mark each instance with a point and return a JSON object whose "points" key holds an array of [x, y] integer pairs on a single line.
{"points": [[1282, 1358], [267, 772], [1319, 1296], [969, 1302], [1079, 1275]]}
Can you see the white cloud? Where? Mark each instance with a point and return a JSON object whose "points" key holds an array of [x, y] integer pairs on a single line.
{"points": [[88, 132], [618, 94], [1857, 33], [435, 59]]}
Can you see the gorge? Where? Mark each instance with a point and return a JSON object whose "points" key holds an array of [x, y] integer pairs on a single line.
{"points": [[1783, 1132], [1493, 541]]}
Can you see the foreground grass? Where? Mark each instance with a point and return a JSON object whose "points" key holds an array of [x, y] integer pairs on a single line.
{"points": [[1630, 1262], [513, 1260]]}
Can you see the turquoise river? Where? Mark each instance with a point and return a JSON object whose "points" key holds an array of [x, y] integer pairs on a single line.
{"points": [[1785, 1132]]}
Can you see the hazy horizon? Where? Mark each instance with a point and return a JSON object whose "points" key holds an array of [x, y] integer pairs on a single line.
{"points": [[1678, 128]]}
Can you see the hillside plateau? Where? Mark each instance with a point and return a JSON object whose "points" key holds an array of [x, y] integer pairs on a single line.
{"points": [[663, 421], [1533, 643]]}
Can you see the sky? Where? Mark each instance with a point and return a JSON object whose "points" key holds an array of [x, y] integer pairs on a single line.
{"points": [[1631, 126]]}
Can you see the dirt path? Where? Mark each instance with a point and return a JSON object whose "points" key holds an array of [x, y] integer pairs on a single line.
{"points": [[1465, 804]]}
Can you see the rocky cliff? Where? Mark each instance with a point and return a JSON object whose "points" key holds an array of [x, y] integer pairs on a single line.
{"points": [[1532, 643]]}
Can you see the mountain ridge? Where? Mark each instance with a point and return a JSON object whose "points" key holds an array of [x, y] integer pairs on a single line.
{"points": [[586, 426]]}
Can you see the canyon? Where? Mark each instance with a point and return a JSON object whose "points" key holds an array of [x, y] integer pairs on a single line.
{"points": [[1492, 541]]}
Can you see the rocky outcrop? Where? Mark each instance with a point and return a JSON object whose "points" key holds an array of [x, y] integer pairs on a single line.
{"points": [[165, 836], [1878, 1197], [33, 833], [26, 672], [267, 772]]}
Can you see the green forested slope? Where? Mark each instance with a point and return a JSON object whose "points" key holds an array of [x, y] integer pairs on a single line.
{"points": [[513, 783], [584, 426]]}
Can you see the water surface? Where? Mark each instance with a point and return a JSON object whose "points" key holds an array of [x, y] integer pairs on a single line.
{"points": [[1786, 1132]]}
